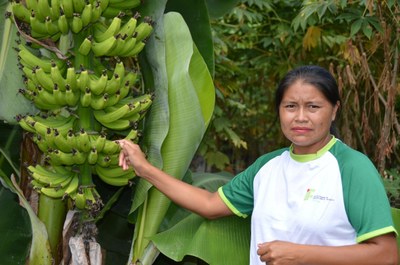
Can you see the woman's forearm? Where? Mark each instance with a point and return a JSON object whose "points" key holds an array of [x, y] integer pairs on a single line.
{"points": [[381, 250]]}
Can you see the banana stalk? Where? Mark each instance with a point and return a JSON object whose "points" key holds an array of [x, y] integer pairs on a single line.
{"points": [[52, 213]]}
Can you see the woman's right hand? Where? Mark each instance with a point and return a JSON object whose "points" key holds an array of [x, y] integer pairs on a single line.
{"points": [[132, 155]]}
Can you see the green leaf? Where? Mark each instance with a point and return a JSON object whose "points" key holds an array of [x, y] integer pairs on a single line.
{"points": [[40, 253], [218, 242], [15, 226], [13, 103], [218, 8], [195, 14], [190, 98], [355, 26]]}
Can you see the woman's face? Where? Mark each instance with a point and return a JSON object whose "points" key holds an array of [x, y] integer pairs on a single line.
{"points": [[306, 116]]}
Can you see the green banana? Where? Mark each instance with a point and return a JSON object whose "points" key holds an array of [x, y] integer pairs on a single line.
{"points": [[83, 80], [55, 9], [49, 138], [85, 46], [97, 85], [87, 14], [44, 79], [92, 156], [61, 142], [113, 99], [129, 27], [111, 31], [20, 11], [57, 76], [139, 46], [30, 60], [114, 176], [129, 44], [99, 102], [86, 98], [51, 27], [96, 12], [43, 8], [83, 141], [79, 200], [76, 24], [46, 96], [122, 4], [57, 157], [25, 125], [119, 46], [113, 84], [103, 4], [68, 8], [40, 142], [63, 24], [79, 5], [59, 96], [78, 157], [48, 177], [55, 193], [104, 47], [59, 122], [119, 125], [98, 142], [71, 97], [40, 104], [38, 28], [144, 29], [71, 78], [71, 139], [62, 192], [111, 147], [73, 185], [106, 117]]}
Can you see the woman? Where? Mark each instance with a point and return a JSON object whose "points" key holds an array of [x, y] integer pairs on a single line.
{"points": [[315, 202]]}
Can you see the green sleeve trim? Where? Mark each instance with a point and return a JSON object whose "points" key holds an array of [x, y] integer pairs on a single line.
{"points": [[229, 204], [379, 232]]}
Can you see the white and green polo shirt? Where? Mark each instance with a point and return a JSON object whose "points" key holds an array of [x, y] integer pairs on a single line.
{"points": [[332, 198]]}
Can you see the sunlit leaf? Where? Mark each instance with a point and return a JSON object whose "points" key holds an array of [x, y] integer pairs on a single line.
{"points": [[191, 98]]}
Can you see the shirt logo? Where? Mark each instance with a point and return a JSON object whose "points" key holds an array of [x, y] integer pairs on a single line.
{"points": [[310, 195]]}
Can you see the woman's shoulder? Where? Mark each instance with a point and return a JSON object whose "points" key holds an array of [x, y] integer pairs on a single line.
{"points": [[351, 158]]}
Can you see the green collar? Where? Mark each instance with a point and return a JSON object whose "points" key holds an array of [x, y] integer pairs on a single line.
{"points": [[310, 157]]}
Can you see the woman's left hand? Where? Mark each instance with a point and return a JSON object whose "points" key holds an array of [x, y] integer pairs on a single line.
{"points": [[278, 253]]}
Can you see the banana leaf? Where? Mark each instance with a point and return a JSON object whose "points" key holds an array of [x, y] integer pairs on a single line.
{"points": [[191, 99], [218, 242], [40, 253], [12, 102]]}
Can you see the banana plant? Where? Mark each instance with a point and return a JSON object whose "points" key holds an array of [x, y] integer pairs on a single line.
{"points": [[194, 82]]}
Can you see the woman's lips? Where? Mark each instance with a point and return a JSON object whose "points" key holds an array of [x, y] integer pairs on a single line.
{"points": [[301, 129]]}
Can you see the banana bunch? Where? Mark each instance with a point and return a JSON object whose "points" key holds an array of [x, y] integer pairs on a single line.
{"points": [[125, 114], [52, 18], [86, 197], [118, 38], [54, 181], [81, 102], [61, 182], [114, 175]]}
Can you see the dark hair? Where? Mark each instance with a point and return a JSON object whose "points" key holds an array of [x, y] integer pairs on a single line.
{"points": [[314, 75]]}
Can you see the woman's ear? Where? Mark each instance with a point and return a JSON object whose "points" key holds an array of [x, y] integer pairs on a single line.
{"points": [[335, 110]]}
